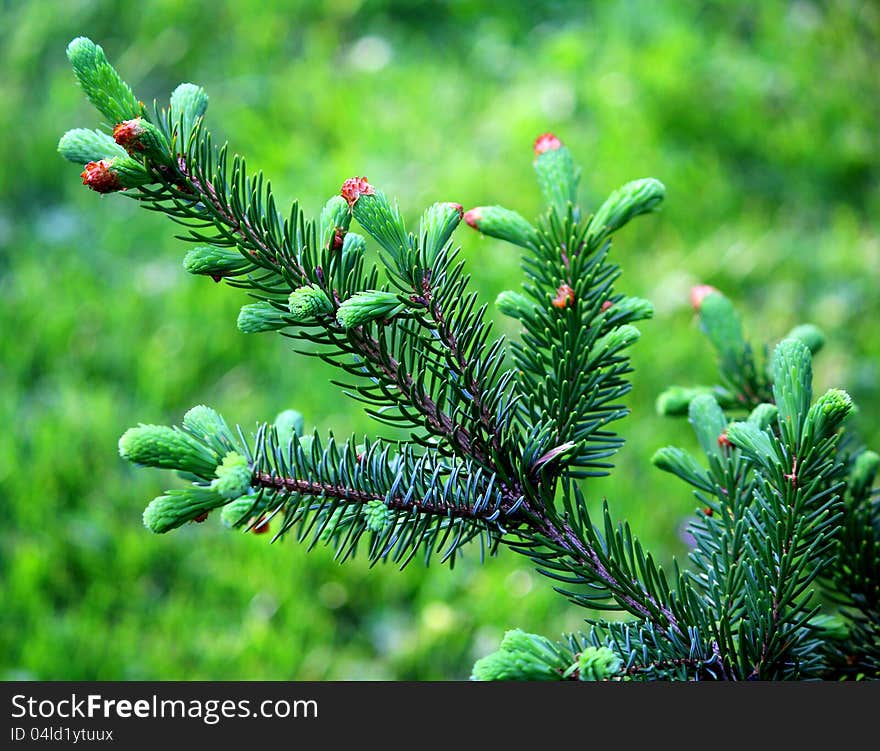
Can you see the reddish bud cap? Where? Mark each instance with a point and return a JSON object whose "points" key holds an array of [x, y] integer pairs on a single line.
{"points": [[100, 177], [724, 441], [354, 188], [127, 134], [473, 217], [564, 297], [546, 142], [201, 517], [699, 293], [605, 305], [458, 207]]}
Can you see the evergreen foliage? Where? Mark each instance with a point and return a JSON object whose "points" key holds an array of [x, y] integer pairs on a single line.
{"points": [[783, 575]]}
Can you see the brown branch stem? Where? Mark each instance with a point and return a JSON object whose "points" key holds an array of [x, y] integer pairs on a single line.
{"points": [[399, 502]]}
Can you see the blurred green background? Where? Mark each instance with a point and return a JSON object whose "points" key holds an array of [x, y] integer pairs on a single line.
{"points": [[762, 121]]}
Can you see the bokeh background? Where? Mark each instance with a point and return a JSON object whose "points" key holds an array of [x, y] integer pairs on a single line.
{"points": [[761, 119]]}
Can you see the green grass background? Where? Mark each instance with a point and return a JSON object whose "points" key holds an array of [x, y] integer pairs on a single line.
{"points": [[762, 121]]}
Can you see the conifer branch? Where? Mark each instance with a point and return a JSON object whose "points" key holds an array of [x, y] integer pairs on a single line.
{"points": [[496, 454]]}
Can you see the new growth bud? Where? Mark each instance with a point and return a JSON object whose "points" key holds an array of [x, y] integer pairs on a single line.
{"points": [[167, 448], [863, 472], [140, 137], [681, 463], [334, 222], [354, 244], [721, 324], [709, 423], [496, 221], [238, 512], [674, 402], [209, 260], [188, 105], [259, 317], [377, 216], [521, 657], [81, 145], [117, 173], [354, 188], [792, 371], [177, 507], [629, 309], [828, 413], [611, 343], [207, 424], [699, 293], [755, 442], [307, 303], [763, 415], [287, 424], [101, 83], [232, 477], [377, 515], [438, 223], [557, 175], [100, 178], [546, 142], [598, 664], [368, 306], [810, 335], [625, 203], [514, 304], [564, 297]]}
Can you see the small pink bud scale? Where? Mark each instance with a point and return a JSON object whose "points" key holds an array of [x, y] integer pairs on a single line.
{"points": [[100, 178], [354, 188], [699, 293], [564, 297], [546, 142]]}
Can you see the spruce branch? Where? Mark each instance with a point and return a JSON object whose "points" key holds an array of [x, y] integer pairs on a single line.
{"points": [[498, 454], [372, 333]]}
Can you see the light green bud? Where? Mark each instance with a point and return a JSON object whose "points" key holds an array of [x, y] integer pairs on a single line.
{"points": [[206, 423], [233, 476], [810, 335], [288, 424], [514, 304], [625, 203], [438, 223], [81, 145], [259, 317], [521, 657], [101, 83], [496, 221], [167, 448], [377, 515], [598, 664], [209, 260], [557, 174], [334, 216], [363, 307], [188, 105], [308, 302], [179, 506]]}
